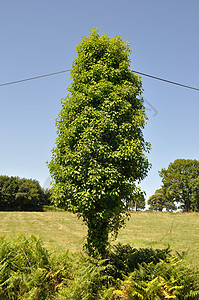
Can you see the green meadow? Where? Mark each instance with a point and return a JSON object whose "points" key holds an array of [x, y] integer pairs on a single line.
{"points": [[62, 230]]}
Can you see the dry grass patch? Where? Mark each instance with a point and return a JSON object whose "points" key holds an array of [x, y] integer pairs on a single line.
{"points": [[58, 230], [158, 230], [62, 230]]}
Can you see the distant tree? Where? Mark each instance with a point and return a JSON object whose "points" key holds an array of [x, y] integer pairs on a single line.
{"points": [[3, 180], [158, 202], [99, 152], [195, 194], [138, 200], [178, 180], [8, 190], [20, 193], [30, 195], [47, 196]]}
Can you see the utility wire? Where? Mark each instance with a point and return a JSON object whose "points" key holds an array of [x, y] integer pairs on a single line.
{"points": [[168, 81], [36, 77], [140, 73]]}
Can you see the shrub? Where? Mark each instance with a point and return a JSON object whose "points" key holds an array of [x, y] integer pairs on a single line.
{"points": [[91, 278], [164, 280], [27, 271], [125, 259]]}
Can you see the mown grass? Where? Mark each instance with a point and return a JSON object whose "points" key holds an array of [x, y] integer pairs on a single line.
{"points": [[62, 230]]}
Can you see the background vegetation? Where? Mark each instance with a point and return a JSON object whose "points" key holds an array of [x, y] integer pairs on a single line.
{"points": [[22, 194], [180, 187]]}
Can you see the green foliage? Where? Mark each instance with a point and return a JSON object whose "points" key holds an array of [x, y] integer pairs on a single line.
{"points": [[91, 277], [20, 194], [29, 194], [164, 280], [124, 259], [180, 185], [195, 194], [138, 200], [29, 271], [158, 202], [8, 190], [47, 196], [99, 153], [51, 208]]}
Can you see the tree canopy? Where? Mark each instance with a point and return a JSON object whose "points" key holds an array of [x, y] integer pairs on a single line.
{"points": [[180, 187], [20, 193], [100, 149], [158, 202], [138, 199]]}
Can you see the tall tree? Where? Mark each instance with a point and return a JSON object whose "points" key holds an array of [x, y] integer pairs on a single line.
{"points": [[100, 148], [178, 180]]}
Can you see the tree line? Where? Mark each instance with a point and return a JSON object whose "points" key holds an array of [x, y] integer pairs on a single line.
{"points": [[180, 187], [21, 194]]}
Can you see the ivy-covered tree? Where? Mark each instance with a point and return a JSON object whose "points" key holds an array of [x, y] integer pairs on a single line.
{"points": [[100, 148]]}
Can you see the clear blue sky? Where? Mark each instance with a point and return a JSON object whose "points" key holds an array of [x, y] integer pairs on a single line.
{"points": [[39, 37]]}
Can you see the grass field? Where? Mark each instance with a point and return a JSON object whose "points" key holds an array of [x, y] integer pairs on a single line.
{"points": [[62, 230]]}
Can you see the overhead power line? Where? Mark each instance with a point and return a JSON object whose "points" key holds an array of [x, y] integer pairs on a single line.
{"points": [[168, 81], [36, 77], [137, 72]]}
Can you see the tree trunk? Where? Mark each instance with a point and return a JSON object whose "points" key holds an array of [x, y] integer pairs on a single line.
{"points": [[97, 238]]}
